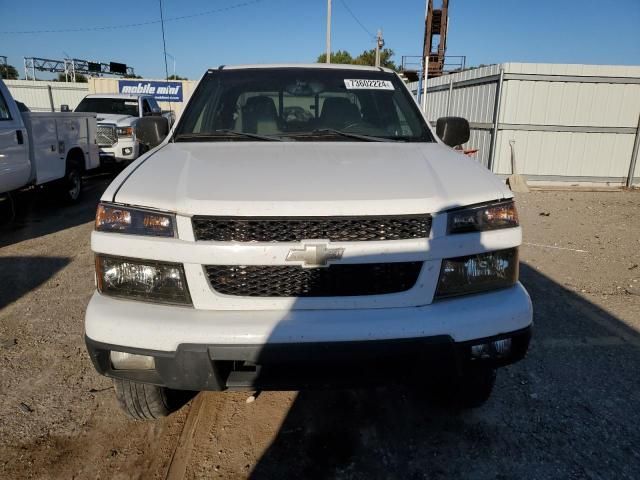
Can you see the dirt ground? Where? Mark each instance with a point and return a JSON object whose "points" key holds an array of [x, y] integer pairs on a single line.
{"points": [[571, 409]]}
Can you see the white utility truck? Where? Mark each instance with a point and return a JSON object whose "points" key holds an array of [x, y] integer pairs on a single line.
{"points": [[302, 226], [117, 117], [38, 148]]}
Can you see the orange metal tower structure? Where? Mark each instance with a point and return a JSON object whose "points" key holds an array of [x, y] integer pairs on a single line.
{"points": [[435, 31]]}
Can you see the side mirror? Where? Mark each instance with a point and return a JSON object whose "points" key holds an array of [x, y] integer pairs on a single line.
{"points": [[64, 108], [151, 131], [453, 131]]}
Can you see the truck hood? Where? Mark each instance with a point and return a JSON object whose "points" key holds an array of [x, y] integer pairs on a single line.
{"points": [[122, 120], [305, 179]]}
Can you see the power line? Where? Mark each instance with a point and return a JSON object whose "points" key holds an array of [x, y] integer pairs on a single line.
{"points": [[164, 43], [344, 4], [140, 24]]}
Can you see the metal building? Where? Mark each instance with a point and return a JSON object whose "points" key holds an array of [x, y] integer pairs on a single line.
{"points": [[566, 123], [47, 96]]}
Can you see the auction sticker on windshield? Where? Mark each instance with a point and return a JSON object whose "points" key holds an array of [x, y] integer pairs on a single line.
{"points": [[352, 84]]}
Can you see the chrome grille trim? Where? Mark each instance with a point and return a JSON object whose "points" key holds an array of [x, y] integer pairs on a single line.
{"points": [[106, 135]]}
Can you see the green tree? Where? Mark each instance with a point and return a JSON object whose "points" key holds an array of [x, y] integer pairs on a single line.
{"points": [[176, 77], [368, 57], [132, 76], [8, 72], [80, 78], [341, 56]]}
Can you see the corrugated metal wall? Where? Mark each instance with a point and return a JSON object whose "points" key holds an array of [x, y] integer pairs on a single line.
{"points": [[566, 122], [595, 98], [474, 102], [35, 94], [110, 85]]}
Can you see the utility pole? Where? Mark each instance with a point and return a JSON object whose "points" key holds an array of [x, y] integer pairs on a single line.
{"points": [[328, 59], [174, 64], [164, 43], [379, 45]]}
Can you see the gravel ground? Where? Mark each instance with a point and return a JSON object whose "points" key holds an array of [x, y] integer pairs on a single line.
{"points": [[569, 410]]}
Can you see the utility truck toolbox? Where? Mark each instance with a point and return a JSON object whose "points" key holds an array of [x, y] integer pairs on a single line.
{"points": [[303, 226], [44, 148]]}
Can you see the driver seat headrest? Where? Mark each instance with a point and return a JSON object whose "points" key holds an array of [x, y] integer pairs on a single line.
{"points": [[338, 112]]}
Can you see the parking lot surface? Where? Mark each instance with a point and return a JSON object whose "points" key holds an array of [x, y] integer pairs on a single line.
{"points": [[571, 409]]}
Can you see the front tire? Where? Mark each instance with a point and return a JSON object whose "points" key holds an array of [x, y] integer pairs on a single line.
{"points": [[473, 388], [141, 401]]}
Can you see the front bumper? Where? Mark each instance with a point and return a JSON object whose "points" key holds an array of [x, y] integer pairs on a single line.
{"points": [[163, 327], [287, 366], [117, 152], [198, 349]]}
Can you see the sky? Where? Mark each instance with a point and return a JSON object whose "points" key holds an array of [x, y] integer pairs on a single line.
{"points": [[270, 31]]}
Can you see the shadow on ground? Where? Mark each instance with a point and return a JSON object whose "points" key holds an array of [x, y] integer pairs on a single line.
{"points": [[20, 275], [40, 212], [569, 410]]}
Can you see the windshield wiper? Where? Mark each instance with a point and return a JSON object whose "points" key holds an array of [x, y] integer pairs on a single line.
{"points": [[223, 133], [335, 131]]}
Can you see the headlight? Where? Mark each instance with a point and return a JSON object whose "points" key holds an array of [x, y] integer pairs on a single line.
{"points": [[137, 221], [485, 217], [125, 131], [478, 273], [142, 280]]}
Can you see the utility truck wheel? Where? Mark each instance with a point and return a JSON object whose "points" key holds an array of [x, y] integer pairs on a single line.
{"points": [[148, 402], [70, 187], [7, 209]]}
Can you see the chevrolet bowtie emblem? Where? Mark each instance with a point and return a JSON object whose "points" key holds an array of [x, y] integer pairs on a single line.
{"points": [[314, 255]]}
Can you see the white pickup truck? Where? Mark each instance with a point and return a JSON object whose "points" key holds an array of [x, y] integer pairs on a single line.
{"points": [[117, 117], [303, 225], [41, 148]]}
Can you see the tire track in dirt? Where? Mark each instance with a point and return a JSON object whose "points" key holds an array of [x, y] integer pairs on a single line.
{"points": [[224, 436]]}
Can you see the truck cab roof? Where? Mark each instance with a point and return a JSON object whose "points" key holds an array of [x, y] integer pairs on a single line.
{"points": [[126, 96], [323, 66]]}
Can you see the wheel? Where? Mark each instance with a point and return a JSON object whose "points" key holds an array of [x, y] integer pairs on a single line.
{"points": [[7, 209], [474, 387], [147, 402], [71, 186]]}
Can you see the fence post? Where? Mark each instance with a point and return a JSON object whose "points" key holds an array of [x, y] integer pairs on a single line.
{"points": [[424, 85], [496, 117], [449, 95], [634, 156]]}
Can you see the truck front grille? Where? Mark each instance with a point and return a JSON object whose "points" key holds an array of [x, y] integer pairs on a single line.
{"points": [[294, 281], [293, 229], [106, 135]]}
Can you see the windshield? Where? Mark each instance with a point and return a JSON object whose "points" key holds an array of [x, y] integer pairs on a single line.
{"points": [[116, 106], [296, 104]]}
